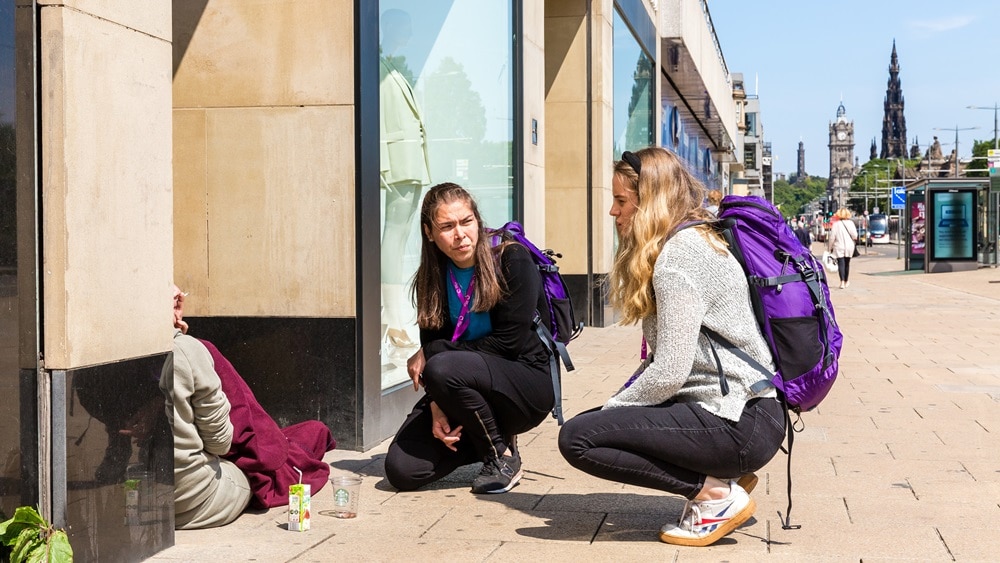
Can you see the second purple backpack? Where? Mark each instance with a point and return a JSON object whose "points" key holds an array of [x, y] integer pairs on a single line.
{"points": [[790, 298]]}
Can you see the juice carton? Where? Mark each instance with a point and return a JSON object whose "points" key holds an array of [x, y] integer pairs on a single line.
{"points": [[299, 500]]}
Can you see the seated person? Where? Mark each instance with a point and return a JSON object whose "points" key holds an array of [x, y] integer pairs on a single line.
{"points": [[228, 453]]}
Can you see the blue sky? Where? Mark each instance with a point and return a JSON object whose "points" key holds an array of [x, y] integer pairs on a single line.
{"points": [[806, 56]]}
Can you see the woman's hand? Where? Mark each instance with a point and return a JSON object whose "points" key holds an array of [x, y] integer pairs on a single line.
{"points": [[415, 367], [442, 430]]}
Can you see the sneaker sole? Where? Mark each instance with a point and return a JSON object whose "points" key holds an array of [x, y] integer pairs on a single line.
{"points": [[748, 482], [722, 531], [513, 481]]}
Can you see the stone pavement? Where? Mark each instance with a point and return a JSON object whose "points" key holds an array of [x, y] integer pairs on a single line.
{"points": [[900, 462]]}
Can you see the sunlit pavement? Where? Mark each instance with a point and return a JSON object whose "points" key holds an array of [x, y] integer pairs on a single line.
{"points": [[900, 462]]}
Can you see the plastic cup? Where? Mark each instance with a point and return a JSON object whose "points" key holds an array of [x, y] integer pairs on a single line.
{"points": [[346, 489]]}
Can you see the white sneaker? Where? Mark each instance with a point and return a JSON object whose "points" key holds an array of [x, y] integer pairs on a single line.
{"points": [[706, 522]]}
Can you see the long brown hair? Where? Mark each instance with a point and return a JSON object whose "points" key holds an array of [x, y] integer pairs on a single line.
{"points": [[429, 289], [668, 196]]}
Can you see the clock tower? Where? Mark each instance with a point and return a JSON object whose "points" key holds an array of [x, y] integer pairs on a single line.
{"points": [[841, 157]]}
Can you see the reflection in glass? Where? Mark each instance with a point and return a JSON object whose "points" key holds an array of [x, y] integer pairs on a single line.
{"points": [[633, 91], [446, 104], [10, 456]]}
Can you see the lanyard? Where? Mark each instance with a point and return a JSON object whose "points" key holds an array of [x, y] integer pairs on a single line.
{"points": [[463, 315]]}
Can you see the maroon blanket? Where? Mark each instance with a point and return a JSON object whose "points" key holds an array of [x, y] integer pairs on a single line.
{"points": [[266, 453]]}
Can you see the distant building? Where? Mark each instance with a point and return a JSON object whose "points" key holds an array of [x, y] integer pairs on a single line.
{"points": [[841, 157], [893, 123]]}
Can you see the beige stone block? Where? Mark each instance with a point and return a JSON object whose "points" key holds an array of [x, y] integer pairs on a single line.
{"points": [[106, 228], [566, 227], [565, 160], [534, 105], [556, 8], [191, 208], [281, 227], [533, 28], [566, 59], [534, 203], [151, 17], [259, 52]]}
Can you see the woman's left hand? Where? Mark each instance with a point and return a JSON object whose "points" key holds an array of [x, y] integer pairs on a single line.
{"points": [[442, 430]]}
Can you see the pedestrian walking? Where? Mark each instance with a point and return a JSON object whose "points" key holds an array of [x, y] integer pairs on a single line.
{"points": [[842, 244]]}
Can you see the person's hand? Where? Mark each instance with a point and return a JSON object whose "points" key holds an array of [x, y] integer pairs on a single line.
{"points": [[415, 367], [442, 430], [179, 310]]}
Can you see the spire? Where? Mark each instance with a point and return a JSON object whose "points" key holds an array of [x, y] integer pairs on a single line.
{"points": [[893, 121]]}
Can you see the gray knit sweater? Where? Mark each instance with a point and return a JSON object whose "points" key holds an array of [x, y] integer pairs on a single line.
{"points": [[694, 286]]}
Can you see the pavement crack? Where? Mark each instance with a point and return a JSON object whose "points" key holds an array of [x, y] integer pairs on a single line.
{"points": [[945, 544], [913, 491], [847, 509]]}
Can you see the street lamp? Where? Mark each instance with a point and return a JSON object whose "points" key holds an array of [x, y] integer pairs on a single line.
{"points": [[996, 140], [956, 129]]}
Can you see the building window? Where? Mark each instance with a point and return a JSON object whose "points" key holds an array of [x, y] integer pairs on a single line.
{"points": [[633, 91], [750, 157], [751, 124], [446, 112]]}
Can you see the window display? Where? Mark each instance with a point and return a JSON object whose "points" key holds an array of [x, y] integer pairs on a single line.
{"points": [[446, 115]]}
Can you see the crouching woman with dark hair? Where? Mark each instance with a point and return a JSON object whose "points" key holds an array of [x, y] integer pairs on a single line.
{"points": [[483, 369]]}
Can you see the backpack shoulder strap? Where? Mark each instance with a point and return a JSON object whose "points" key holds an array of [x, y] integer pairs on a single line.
{"points": [[556, 350]]}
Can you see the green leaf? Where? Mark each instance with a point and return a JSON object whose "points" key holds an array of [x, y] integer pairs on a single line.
{"points": [[27, 542], [28, 515], [59, 549]]}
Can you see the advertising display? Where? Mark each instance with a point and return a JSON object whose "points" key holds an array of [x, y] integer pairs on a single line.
{"points": [[918, 232], [953, 223]]}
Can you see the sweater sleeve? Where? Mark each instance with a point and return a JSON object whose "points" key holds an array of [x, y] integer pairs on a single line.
{"points": [[512, 317], [679, 312], [198, 392]]}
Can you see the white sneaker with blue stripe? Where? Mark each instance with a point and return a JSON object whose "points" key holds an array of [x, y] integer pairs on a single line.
{"points": [[706, 522]]}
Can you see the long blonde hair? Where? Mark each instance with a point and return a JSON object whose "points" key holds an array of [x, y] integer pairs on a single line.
{"points": [[668, 196]]}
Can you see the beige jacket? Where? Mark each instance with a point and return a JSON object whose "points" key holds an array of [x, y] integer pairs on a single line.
{"points": [[843, 237]]}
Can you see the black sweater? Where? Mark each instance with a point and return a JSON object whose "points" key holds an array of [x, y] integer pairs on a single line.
{"points": [[513, 335]]}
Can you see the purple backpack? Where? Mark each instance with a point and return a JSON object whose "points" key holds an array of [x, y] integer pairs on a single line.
{"points": [[555, 322], [791, 300]]}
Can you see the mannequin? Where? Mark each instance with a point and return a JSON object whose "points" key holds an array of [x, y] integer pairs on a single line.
{"points": [[404, 171]]}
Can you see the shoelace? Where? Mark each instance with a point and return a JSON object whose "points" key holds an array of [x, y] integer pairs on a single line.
{"points": [[691, 513]]}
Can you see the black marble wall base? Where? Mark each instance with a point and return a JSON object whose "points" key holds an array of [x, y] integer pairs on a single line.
{"points": [[298, 368], [117, 460], [600, 312]]}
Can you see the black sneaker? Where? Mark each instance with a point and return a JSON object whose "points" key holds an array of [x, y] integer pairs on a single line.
{"points": [[498, 475]]}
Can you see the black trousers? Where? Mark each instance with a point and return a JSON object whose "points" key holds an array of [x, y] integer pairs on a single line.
{"points": [[672, 446], [844, 268], [492, 398]]}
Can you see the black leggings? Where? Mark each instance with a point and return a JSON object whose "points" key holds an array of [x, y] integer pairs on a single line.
{"points": [[672, 446], [844, 268], [492, 398]]}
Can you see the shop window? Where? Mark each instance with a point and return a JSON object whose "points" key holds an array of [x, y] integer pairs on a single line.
{"points": [[446, 115]]}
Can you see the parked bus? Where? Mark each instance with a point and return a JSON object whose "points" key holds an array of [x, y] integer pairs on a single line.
{"points": [[878, 228]]}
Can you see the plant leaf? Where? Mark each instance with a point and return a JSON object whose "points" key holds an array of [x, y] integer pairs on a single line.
{"points": [[60, 551], [28, 515], [27, 542]]}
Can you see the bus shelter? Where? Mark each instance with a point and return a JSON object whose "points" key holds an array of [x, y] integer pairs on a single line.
{"points": [[951, 224]]}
